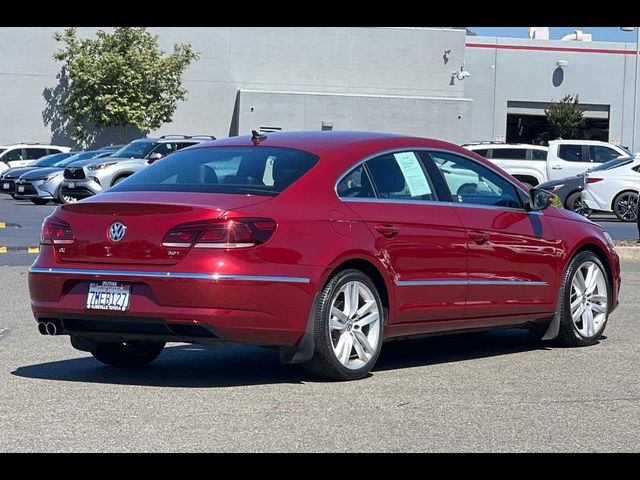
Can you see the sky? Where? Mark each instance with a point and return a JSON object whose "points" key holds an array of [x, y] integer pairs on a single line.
{"points": [[602, 34]]}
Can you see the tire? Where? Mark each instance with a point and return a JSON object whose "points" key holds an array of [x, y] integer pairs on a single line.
{"points": [[575, 204], [129, 354], [625, 206], [587, 332], [39, 201], [13, 195], [334, 334]]}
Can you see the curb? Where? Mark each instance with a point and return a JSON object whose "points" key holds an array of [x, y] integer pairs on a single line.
{"points": [[19, 249], [628, 253]]}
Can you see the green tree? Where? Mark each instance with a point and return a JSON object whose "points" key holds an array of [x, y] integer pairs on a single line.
{"points": [[565, 116], [120, 79]]}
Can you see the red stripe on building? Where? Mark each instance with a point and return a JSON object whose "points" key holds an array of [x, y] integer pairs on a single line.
{"points": [[549, 49]]}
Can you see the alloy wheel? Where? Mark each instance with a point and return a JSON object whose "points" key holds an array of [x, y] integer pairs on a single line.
{"points": [[627, 206], [354, 325], [589, 299]]}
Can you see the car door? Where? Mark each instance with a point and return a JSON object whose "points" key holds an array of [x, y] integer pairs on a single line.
{"points": [[419, 237], [569, 160], [512, 253]]}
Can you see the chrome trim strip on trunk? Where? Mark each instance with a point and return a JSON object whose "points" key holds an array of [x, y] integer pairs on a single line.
{"points": [[142, 274], [410, 283]]}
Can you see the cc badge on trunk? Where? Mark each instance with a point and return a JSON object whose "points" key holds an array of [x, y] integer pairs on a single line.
{"points": [[117, 231]]}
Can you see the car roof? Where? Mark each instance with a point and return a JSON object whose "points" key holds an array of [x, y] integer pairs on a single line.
{"points": [[583, 142], [321, 142], [482, 146]]}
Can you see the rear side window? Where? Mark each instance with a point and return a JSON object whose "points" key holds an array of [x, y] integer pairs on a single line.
{"points": [[355, 184], [538, 155], [571, 153], [235, 170], [400, 176], [509, 153], [600, 154]]}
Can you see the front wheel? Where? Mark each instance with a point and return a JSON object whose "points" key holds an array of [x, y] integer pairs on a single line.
{"points": [[127, 354], [576, 204], [585, 301], [348, 333], [625, 206], [66, 199]]}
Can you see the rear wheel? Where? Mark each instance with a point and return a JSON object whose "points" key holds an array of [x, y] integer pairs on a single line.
{"points": [[128, 354], [348, 331], [625, 206], [39, 201], [575, 204], [585, 301]]}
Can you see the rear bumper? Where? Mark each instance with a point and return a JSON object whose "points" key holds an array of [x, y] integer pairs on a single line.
{"points": [[593, 202], [170, 305]]}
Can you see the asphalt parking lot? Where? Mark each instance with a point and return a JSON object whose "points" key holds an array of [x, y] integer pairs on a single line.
{"points": [[23, 219], [501, 392]]}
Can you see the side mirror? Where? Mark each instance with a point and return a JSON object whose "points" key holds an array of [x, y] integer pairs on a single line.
{"points": [[154, 156], [539, 199]]}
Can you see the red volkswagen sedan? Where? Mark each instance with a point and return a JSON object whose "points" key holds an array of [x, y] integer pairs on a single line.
{"points": [[325, 244]]}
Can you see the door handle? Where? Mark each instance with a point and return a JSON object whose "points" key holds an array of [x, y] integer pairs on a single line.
{"points": [[556, 168], [479, 237], [387, 230]]}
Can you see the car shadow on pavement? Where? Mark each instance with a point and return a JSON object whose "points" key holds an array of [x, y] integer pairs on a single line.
{"points": [[196, 366]]}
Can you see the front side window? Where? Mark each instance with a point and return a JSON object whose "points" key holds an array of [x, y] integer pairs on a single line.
{"points": [[509, 154], [472, 183], [571, 153], [600, 154], [232, 170], [400, 176], [355, 185]]}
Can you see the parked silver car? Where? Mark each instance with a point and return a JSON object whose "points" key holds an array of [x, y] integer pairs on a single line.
{"points": [[91, 179], [42, 185]]}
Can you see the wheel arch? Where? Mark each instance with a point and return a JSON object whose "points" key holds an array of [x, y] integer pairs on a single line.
{"points": [[527, 178], [371, 267], [120, 175]]}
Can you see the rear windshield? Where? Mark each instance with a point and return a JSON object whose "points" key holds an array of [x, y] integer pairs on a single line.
{"points": [[242, 170], [616, 162]]}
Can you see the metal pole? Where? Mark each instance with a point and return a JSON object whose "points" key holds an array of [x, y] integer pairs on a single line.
{"points": [[635, 92]]}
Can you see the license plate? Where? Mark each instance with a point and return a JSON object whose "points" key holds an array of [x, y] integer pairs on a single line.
{"points": [[21, 189], [109, 296], [71, 185], [6, 186]]}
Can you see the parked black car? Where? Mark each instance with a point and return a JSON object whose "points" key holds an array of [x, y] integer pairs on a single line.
{"points": [[569, 189]]}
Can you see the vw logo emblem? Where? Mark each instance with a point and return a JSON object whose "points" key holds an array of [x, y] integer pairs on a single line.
{"points": [[117, 231]]}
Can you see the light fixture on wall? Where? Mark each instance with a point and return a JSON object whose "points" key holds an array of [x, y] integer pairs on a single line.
{"points": [[562, 63], [460, 75]]}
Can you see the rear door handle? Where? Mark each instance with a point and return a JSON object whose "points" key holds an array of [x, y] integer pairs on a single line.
{"points": [[556, 168], [387, 230], [479, 237]]}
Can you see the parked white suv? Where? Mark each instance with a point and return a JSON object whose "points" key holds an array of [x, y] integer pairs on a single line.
{"points": [[568, 158], [527, 163], [25, 154], [535, 164]]}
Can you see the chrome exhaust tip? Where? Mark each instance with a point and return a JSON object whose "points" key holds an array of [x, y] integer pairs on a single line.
{"points": [[51, 328]]}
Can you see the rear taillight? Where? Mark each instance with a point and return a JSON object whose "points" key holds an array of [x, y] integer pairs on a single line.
{"points": [[55, 231], [183, 235], [232, 233], [594, 180]]}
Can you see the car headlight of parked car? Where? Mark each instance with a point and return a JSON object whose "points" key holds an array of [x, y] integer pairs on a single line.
{"points": [[50, 177], [101, 166]]}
